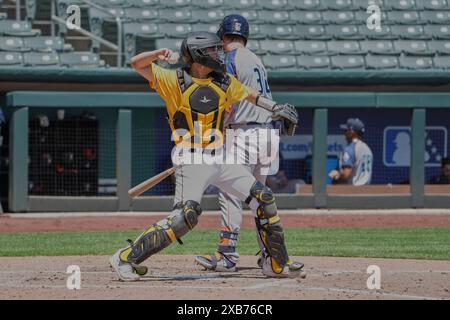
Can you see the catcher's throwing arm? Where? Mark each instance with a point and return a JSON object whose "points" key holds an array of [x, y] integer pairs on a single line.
{"points": [[150, 183]]}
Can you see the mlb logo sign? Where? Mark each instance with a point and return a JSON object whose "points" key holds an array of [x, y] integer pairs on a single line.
{"points": [[397, 146]]}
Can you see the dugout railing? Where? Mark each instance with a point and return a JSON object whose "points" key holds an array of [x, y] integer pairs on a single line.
{"points": [[124, 104]]}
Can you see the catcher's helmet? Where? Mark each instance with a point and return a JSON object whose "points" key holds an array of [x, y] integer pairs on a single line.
{"points": [[204, 48], [234, 24]]}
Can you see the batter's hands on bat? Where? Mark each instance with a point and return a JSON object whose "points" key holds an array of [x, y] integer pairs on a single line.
{"points": [[289, 117]]}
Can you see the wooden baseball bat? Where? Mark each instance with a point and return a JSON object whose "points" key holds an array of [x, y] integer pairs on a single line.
{"points": [[150, 183]]}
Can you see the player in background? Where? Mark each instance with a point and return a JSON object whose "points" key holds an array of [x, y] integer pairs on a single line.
{"points": [[355, 165], [254, 123], [196, 97]]}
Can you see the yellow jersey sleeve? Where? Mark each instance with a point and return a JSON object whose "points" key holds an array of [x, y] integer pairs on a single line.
{"points": [[165, 82], [236, 91]]}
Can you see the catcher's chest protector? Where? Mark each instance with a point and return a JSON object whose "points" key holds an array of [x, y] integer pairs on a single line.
{"points": [[203, 106]]}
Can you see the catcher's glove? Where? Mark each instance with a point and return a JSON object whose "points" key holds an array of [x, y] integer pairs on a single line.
{"points": [[289, 117]]}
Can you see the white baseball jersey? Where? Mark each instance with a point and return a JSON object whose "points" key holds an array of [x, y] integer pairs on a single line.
{"points": [[249, 70], [358, 156]]}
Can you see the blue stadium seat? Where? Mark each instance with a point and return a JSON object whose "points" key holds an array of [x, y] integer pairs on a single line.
{"points": [[205, 27], [416, 62], [433, 4], [277, 46], [172, 44], [17, 29], [381, 62], [10, 59], [176, 30], [149, 30], [80, 59], [311, 47], [313, 32], [274, 4], [208, 15], [339, 17], [307, 17], [280, 62], [13, 44], [409, 32], [412, 47], [41, 59], [438, 31], [442, 62], [378, 46], [142, 14], [405, 17], [436, 17], [313, 62], [279, 32], [383, 33], [344, 47], [306, 4], [47, 44], [176, 15], [208, 4], [440, 46], [275, 17], [241, 4], [347, 62], [345, 32]]}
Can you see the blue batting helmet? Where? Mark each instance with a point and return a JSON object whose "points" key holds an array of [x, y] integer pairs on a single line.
{"points": [[234, 24]]}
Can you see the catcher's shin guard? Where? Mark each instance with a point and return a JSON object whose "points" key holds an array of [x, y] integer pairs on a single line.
{"points": [[161, 234], [269, 226]]}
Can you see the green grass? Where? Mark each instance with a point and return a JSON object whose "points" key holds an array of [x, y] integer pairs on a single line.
{"points": [[423, 243]]}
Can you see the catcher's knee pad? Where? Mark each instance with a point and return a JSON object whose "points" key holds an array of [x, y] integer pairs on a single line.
{"points": [[161, 234], [269, 226]]}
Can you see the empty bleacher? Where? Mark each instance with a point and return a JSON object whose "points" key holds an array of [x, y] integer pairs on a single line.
{"points": [[288, 35]]}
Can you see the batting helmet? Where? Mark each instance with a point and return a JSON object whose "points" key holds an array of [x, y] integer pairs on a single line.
{"points": [[204, 48], [234, 24]]}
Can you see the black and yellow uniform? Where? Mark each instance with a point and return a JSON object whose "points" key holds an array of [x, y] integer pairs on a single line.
{"points": [[196, 107]]}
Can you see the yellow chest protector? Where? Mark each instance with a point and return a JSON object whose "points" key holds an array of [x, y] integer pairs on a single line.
{"points": [[198, 121]]}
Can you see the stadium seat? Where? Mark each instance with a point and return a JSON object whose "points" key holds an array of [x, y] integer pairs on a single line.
{"points": [[383, 33], [277, 46], [440, 46], [433, 4], [97, 14], [280, 62], [205, 27], [241, 4], [412, 47], [378, 46], [438, 31], [149, 30], [310, 47], [442, 62], [436, 17], [79, 59], [178, 15], [381, 62], [362, 16], [256, 33], [8, 59], [41, 59], [208, 16], [111, 3], [404, 17], [275, 17], [142, 14], [176, 3], [306, 4], [344, 47], [401, 4], [338, 4], [17, 28], [339, 17], [347, 62], [313, 32], [12, 44], [47, 44], [363, 4], [251, 15], [280, 32], [209, 4], [172, 44], [307, 17], [313, 62], [255, 47], [408, 32], [274, 4], [416, 62], [173, 30], [347, 32]]}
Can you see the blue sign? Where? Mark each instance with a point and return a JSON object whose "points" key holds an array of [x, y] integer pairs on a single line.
{"points": [[397, 146]]}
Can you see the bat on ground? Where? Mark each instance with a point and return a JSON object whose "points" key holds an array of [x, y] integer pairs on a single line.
{"points": [[150, 183]]}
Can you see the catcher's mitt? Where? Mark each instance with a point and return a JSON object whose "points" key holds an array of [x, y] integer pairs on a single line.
{"points": [[288, 116]]}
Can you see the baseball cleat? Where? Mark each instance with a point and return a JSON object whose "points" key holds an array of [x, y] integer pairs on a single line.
{"points": [[124, 269], [140, 270], [291, 270], [216, 262]]}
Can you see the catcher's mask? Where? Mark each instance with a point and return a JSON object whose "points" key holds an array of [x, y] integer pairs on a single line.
{"points": [[204, 48]]}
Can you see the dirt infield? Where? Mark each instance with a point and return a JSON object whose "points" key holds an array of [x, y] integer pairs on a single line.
{"points": [[175, 277], [11, 223]]}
